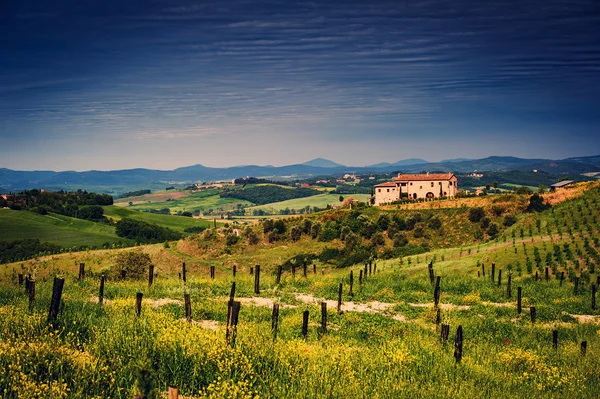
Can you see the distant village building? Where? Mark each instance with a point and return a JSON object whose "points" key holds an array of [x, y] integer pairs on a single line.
{"points": [[413, 186], [561, 185], [475, 174]]}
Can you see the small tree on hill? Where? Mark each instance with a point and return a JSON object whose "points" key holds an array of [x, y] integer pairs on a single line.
{"points": [[476, 214], [134, 263]]}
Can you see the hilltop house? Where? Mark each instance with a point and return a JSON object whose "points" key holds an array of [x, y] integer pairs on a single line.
{"points": [[413, 186]]}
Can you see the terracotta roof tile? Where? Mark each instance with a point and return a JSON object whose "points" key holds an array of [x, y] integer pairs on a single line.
{"points": [[424, 177], [386, 184]]}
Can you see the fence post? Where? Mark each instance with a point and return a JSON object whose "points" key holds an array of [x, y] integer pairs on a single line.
{"points": [[275, 320], [188, 307], [251, 270], [57, 289], [339, 304], [304, 269], [519, 294], [257, 280], [536, 276], [323, 318], [183, 272], [20, 278], [31, 293], [532, 313], [508, 288], [360, 278], [101, 294], [555, 339], [499, 278], [445, 333], [483, 270], [493, 272], [81, 272], [279, 270], [232, 322], [314, 268], [138, 303], [350, 293], [458, 344], [304, 324], [583, 347], [150, 275], [234, 270], [436, 292], [370, 268], [431, 275], [547, 274]]}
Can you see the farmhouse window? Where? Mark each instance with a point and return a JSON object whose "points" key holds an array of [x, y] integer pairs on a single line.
{"points": [[431, 184], [388, 190], [379, 190]]}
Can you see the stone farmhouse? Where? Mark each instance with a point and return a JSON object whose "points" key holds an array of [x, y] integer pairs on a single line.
{"points": [[413, 186]]}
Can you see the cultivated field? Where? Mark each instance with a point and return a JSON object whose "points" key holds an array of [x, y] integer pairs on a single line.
{"points": [[178, 223], [320, 201]]}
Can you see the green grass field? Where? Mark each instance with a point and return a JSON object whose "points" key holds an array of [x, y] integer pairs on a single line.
{"points": [[57, 229], [321, 201], [178, 223], [202, 200]]}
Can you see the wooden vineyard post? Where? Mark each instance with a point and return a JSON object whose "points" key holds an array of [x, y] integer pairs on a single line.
{"points": [[183, 272], [493, 272], [305, 324], [519, 297], [138, 304], [593, 296], [508, 289], [576, 286], [445, 333], [293, 270], [583, 348], [231, 299], [360, 278], [339, 303], [101, 293], [275, 320], [232, 322], [458, 344], [27, 284], [150, 275], [323, 318], [536, 276], [81, 272], [483, 270], [314, 268], [279, 270], [532, 313], [499, 278], [438, 317], [562, 278], [366, 270], [212, 272], [350, 293], [20, 279], [188, 307], [304, 269], [57, 289], [257, 280], [436, 292], [123, 274], [31, 294], [370, 268], [478, 274], [173, 393], [374, 268], [547, 274], [431, 275], [251, 270], [555, 339], [234, 270]]}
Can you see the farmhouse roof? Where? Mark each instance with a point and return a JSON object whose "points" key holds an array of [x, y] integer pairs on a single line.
{"points": [[562, 183], [424, 176], [386, 184]]}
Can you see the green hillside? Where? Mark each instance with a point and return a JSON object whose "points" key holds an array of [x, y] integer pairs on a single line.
{"points": [[178, 201], [57, 229], [320, 201], [178, 223]]}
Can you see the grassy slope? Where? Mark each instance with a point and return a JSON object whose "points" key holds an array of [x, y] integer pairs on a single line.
{"points": [[321, 201], [178, 223], [56, 229]]}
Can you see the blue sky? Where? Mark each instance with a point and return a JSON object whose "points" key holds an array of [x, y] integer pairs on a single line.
{"points": [[168, 83]]}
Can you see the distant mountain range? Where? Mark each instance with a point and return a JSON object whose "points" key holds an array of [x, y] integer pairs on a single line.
{"points": [[101, 181]]}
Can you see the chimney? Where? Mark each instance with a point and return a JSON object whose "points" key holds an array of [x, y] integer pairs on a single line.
{"points": [[427, 173]]}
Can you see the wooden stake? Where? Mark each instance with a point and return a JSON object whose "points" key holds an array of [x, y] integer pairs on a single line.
{"points": [[101, 294], [519, 293], [279, 270], [150, 275], [188, 307], [499, 278], [31, 294], [57, 289], [234, 270], [458, 344], [350, 293], [138, 304], [275, 320], [81, 272], [183, 272], [508, 289], [257, 280], [555, 339], [305, 324], [532, 313], [493, 272], [232, 322], [323, 318], [339, 304], [583, 347]]}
